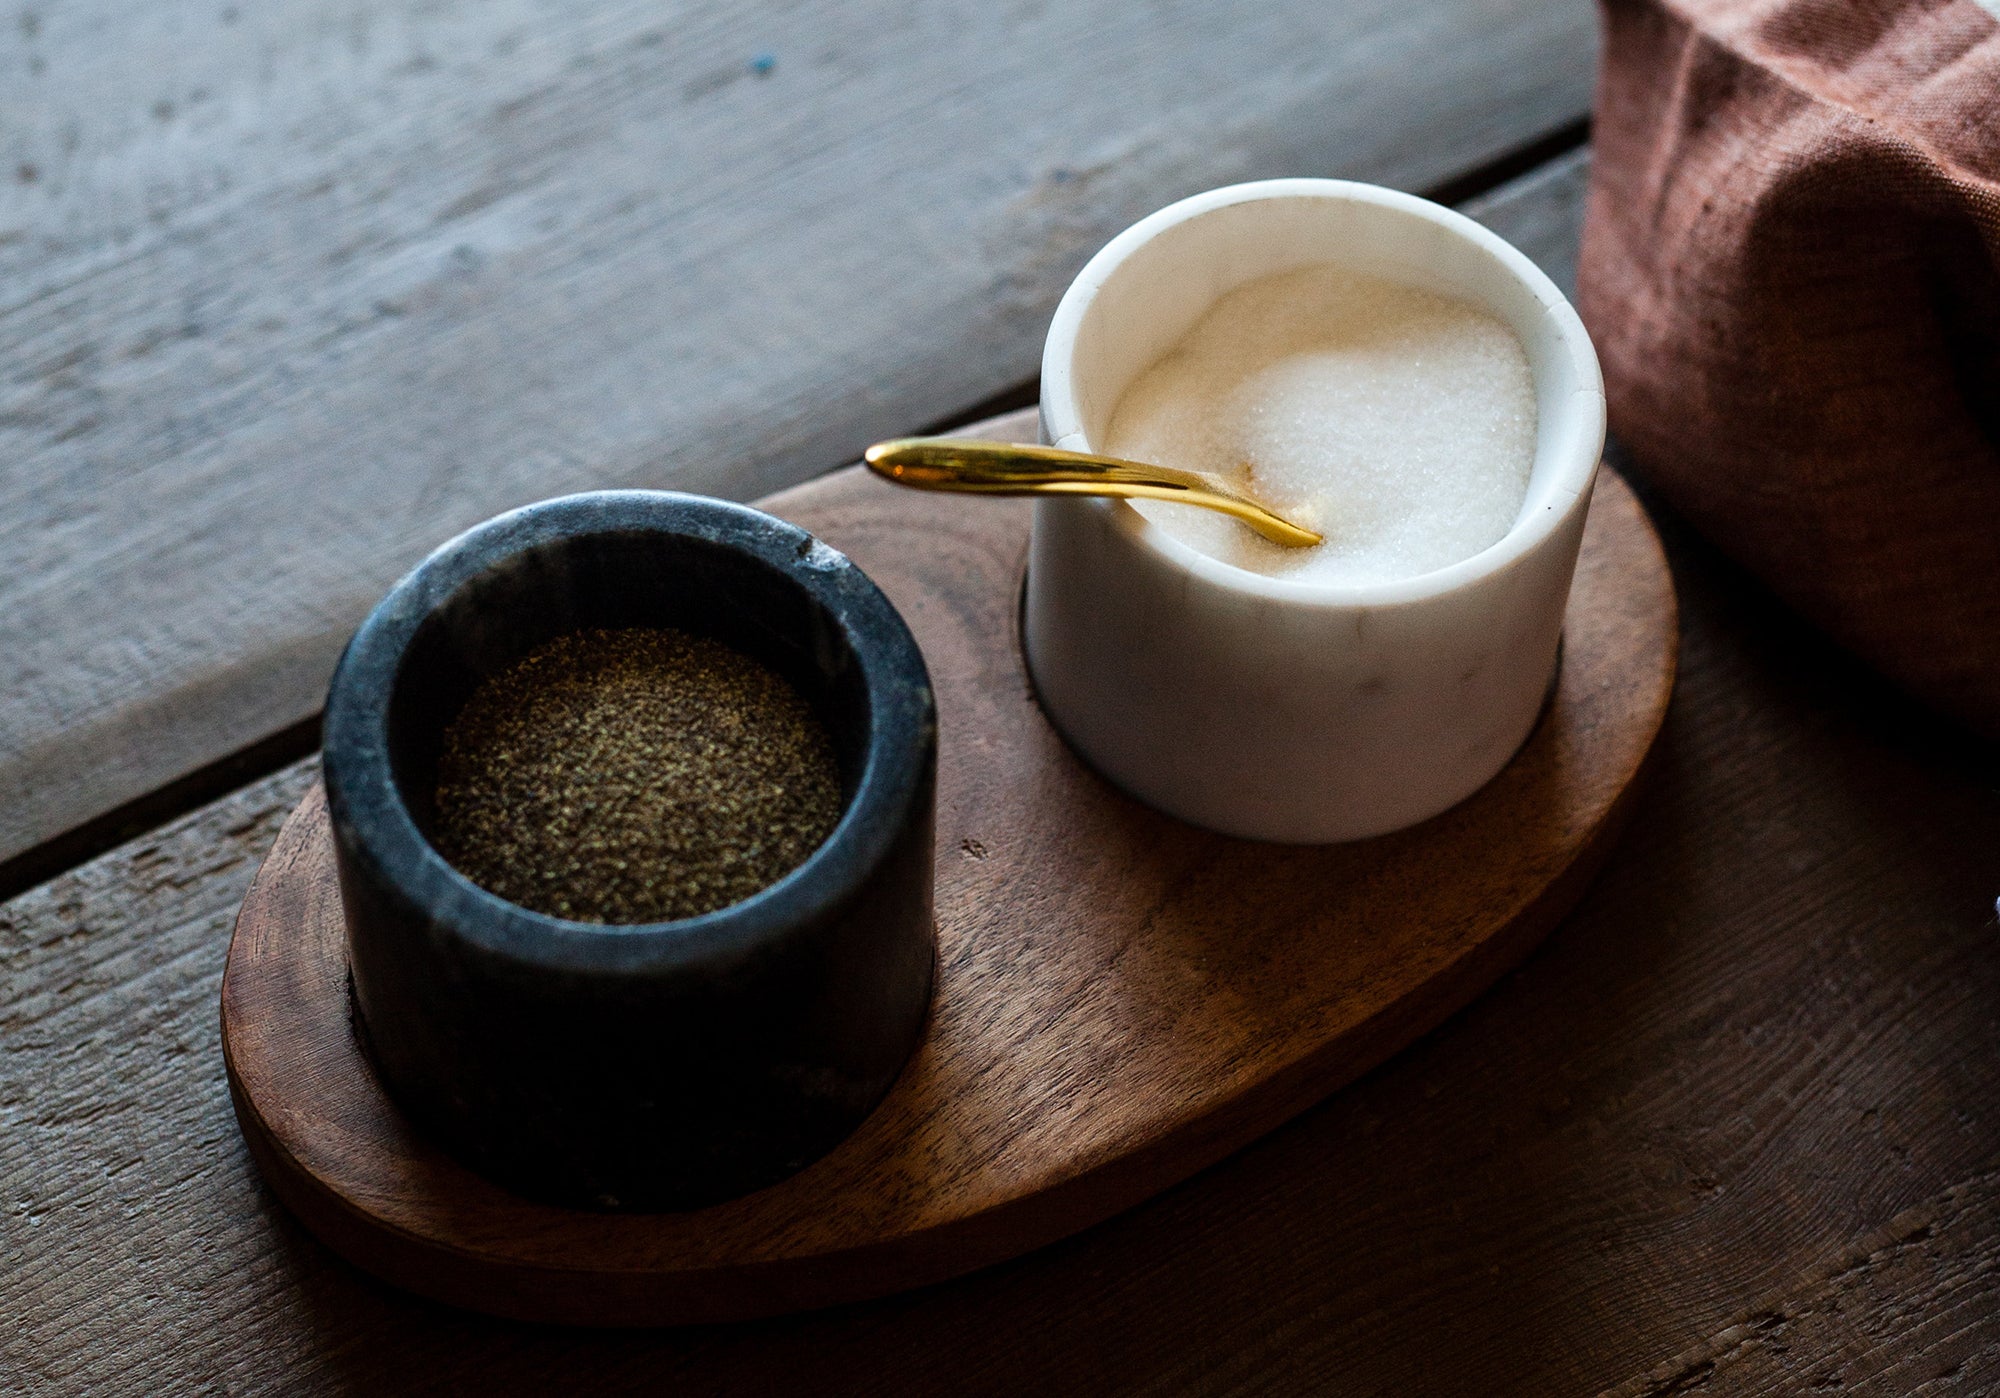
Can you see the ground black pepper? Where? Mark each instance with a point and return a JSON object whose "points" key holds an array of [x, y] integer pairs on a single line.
{"points": [[636, 775]]}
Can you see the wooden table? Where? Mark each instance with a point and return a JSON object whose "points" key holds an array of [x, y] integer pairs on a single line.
{"points": [[290, 293]]}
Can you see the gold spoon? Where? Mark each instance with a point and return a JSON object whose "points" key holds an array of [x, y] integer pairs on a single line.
{"points": [[1006, 468]]}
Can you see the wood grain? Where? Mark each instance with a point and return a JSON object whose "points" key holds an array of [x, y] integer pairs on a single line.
{"points": [[1766, 1035], [1121, 999], [1910, 1309], [291, 291]]}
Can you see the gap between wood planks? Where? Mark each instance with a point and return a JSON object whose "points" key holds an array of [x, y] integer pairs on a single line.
{"points": [[273, 751]]}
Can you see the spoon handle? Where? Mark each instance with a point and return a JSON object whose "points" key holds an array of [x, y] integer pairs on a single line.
{"points": [[1006, 468]]}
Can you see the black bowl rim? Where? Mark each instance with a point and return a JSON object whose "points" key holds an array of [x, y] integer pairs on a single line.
{"points": [[372, 822]]}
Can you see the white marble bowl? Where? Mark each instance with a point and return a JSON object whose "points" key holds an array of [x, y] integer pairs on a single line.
{"points": [[1284, 710]]}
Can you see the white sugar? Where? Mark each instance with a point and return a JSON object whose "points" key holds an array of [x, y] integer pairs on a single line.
{"points": [[1399, 423]]}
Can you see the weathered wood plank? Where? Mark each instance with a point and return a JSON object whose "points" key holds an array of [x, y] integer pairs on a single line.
{"points": [[1910, 1309], [1542, 214], [1765, 1047], [290, 292]]}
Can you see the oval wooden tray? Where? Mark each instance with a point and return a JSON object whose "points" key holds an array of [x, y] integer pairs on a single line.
{"points": [[1121, 1000]]}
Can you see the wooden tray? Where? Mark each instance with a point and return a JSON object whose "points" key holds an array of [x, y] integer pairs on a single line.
{"points": [[1121, 1001]]}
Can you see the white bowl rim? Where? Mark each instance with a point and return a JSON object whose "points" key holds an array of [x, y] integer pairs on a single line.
{"points": [[1575, 473]]}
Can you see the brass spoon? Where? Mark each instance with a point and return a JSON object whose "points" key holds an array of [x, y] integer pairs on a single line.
{"points": [[1006, 468]]}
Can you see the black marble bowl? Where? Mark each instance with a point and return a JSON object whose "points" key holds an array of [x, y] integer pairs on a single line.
{"points": [[666, 1065]]}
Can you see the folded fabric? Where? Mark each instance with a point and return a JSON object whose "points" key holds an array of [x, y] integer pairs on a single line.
{"points": [[1791, 268]]}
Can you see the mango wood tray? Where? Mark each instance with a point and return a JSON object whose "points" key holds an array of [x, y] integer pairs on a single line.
{"points": [[1121, 1000]]}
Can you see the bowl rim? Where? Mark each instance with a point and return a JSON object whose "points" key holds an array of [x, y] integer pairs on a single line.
{"points": [[374, 825], [1062, 418]]}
